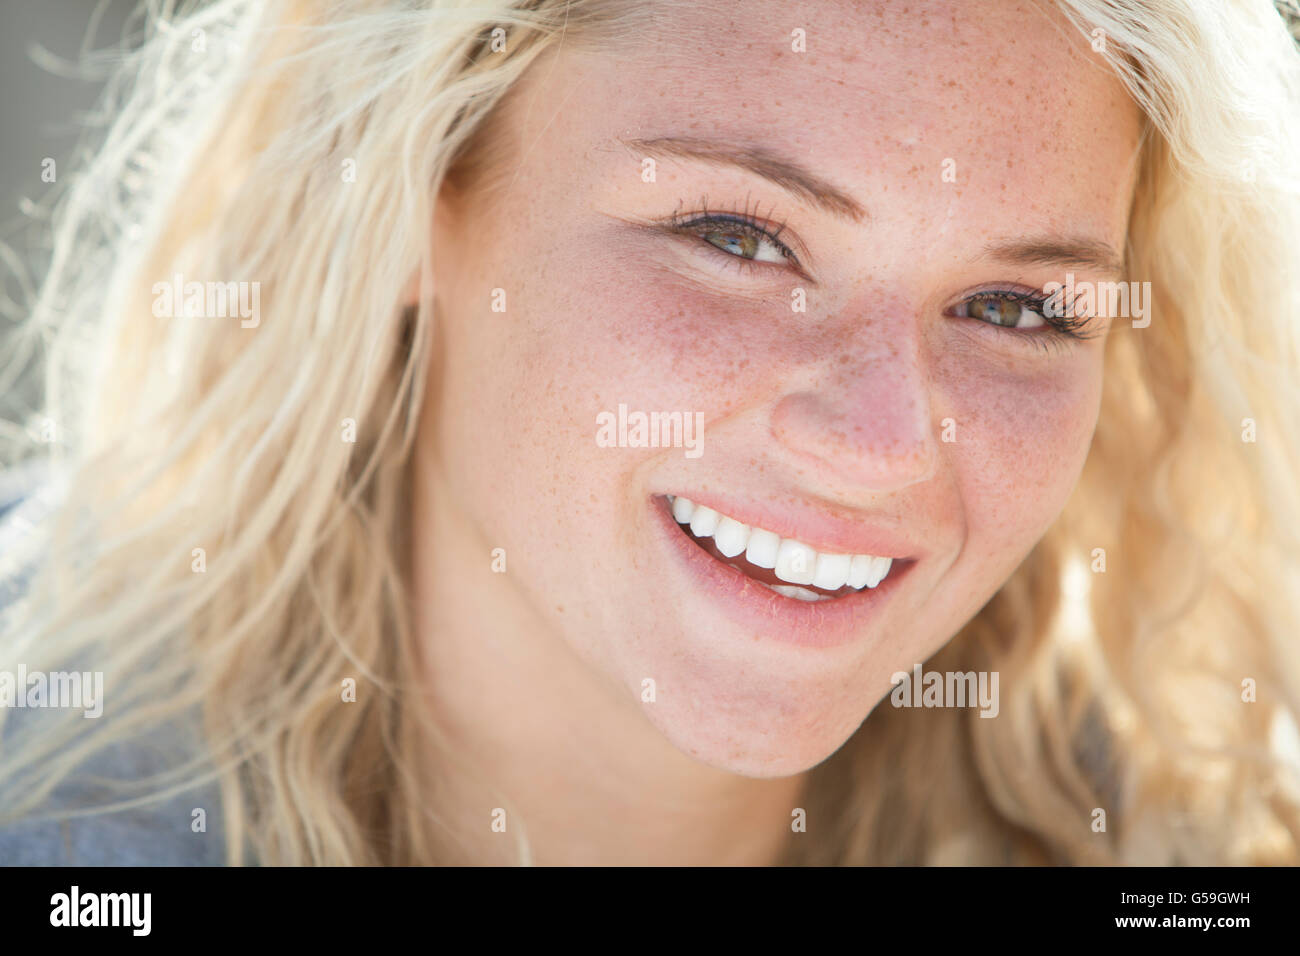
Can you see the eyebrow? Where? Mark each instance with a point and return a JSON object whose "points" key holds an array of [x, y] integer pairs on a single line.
{"points": [[761, 161], [1049, 250], [1059, 251]]}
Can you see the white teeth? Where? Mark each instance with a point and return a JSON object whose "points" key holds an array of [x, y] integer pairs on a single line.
{"points": [[731, 538], [860, 570], [704, 522], [790, 560], [763, 548], [880, 568], [832, 571], [795, 562], [802, 594]]}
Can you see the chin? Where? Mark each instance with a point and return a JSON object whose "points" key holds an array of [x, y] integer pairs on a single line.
{"points": [[755, 729]]}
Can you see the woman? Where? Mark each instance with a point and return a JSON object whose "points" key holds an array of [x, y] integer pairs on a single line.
{"points": [[608, 432]]}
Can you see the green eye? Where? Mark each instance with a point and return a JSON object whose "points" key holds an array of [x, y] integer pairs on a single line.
{"points": [[743, 240], [738, 244], [1008, 311]]}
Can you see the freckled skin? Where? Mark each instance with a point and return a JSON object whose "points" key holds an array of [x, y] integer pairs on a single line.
{"points": [[840, 407]]}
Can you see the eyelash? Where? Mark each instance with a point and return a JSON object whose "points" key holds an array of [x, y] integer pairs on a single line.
{"points": [[1057, 328], [1056, 331]]}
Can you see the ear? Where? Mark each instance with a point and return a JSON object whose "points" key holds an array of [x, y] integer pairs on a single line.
{"points": [[411, 294], [444, 212]]}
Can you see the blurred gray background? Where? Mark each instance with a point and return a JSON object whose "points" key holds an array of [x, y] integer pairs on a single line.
{"points": [[41, 115], [38, 109]]}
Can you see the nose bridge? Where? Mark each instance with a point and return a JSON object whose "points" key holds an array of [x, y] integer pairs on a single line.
{"points": [[879, 357], [866, 413]]}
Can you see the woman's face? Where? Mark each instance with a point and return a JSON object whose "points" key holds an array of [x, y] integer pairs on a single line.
{"points": [[906, 160]]}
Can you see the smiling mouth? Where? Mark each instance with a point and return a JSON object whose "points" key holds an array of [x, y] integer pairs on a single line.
{"points": [[786, 566]]}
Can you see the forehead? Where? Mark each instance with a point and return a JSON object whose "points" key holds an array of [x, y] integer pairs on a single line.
{"points": [[1008, 91]]}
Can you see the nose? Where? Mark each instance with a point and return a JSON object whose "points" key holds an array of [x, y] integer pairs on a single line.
{"points": [[866, 420]]}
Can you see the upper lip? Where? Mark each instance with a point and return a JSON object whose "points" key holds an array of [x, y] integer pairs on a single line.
{"points": [[829, 531]]}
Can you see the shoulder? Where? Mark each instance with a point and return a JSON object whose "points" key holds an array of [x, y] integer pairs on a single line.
{"points": [[162, 833], [182, 830], [126, 838]]}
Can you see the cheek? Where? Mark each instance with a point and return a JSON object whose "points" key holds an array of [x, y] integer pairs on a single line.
{"points": [[1021, 442], [585, 328], [601, 329]]}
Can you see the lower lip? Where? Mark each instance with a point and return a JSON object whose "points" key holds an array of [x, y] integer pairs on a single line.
{"points": [[829, 623]]}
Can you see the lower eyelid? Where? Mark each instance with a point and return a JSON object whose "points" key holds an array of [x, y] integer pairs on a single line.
{"points": [[1038, 340], [737, 281]]}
